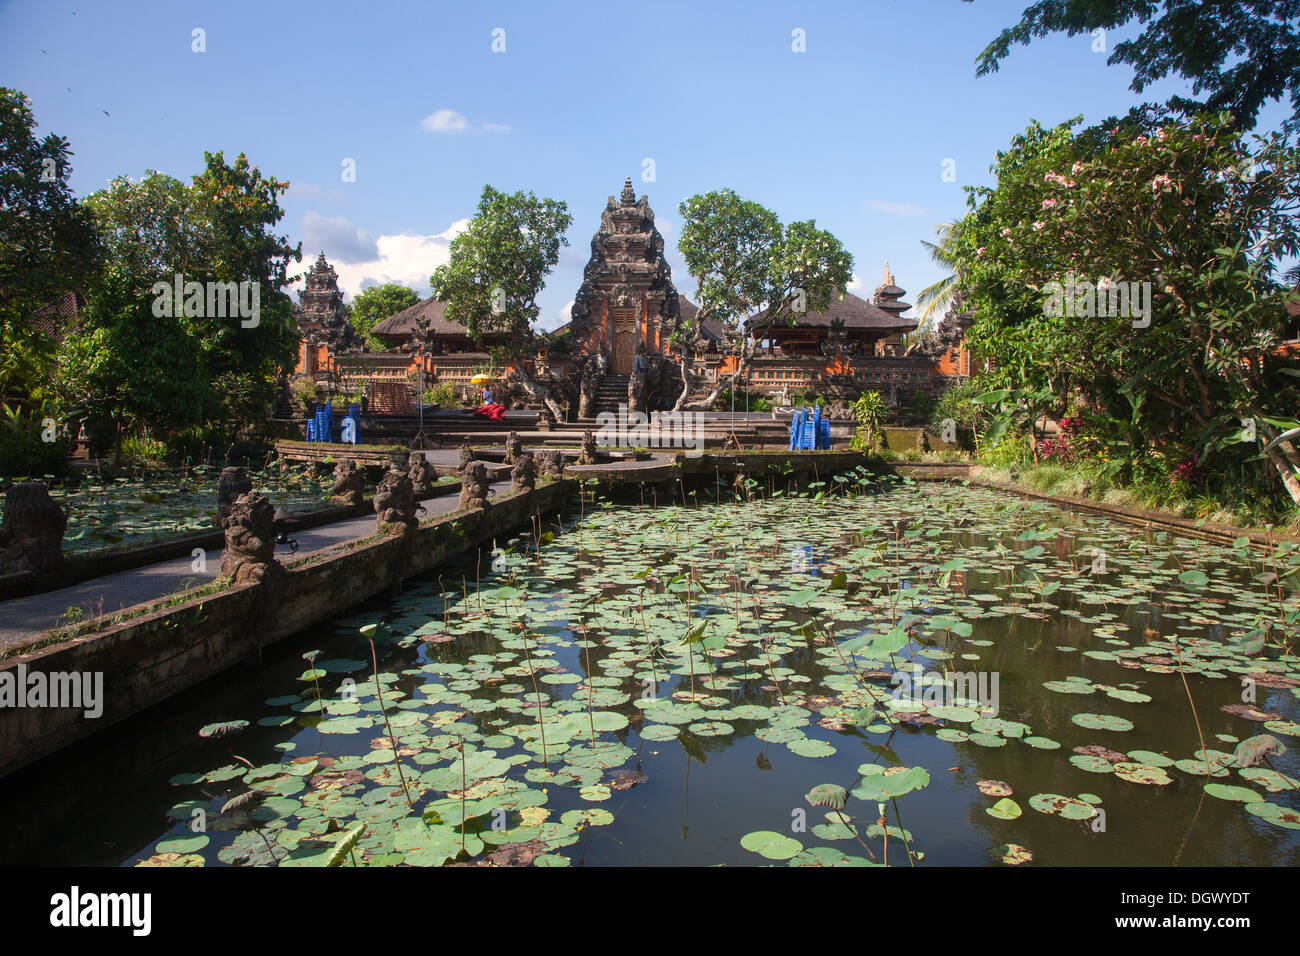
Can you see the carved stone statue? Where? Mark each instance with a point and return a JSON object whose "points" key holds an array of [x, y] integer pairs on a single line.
{"points": [[349, 484], [473, 486], [587, 391], [523, 477], [234, 482], [31, 536], [638, 385], [588, 455], [395, 503], [550, 463], [514, 448], [250, 540], [466, 455], [422, 476]]}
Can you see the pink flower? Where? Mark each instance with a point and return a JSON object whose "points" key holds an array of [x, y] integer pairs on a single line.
{"points": [[1076, 168], [980, 251], [1161, 134], [1140, 140], [1050, 203], [1161, 183], [1006, 231], [1039, 225]]}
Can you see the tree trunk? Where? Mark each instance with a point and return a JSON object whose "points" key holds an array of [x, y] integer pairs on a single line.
{"points": [[706, 403], [541, 394], [685, 365]]}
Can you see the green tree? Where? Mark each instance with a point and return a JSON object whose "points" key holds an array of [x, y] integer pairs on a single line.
{"points": [[47, 245], [497, 268], [1241, 55], [245, 360], [138, 363], [745, 260], [377, 303]]}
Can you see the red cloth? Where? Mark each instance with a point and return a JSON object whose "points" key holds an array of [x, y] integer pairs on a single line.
{"points": [[494, 412]]}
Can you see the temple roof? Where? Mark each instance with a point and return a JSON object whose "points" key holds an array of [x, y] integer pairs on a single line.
{"points": [[402, 325], [58, 318], [857, 313]]}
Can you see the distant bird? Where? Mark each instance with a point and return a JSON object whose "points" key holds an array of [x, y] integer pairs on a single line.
{"points": [[42, 51], [105, 112]]}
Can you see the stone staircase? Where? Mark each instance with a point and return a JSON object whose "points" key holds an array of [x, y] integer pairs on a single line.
{"points": [[611, 393]]}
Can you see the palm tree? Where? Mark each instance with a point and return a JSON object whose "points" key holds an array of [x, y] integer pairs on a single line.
{"points": [[936, 298]]}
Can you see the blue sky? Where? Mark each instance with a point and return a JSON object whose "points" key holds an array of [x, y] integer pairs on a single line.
{"points": [[853, 132]]}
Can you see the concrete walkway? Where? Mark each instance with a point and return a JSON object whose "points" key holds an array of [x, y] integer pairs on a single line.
{"points": [[23, 617]]}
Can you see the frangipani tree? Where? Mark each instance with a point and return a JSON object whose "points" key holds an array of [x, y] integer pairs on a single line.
{"points": [[1139, 262]]}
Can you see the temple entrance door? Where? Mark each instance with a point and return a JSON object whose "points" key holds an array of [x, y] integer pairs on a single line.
{"points": [[623, 323]]}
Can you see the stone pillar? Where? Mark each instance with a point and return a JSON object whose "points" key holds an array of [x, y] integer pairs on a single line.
{"points": [[250, 540], [233, 483], [422, 476], [395, 503], [349, 484], [31, 536], [523, 477], [473, 486]]}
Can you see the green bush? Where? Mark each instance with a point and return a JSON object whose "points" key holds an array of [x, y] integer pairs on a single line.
{"points": [[22, 450], [442, 394]]}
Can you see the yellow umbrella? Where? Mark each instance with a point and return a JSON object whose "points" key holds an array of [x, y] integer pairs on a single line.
{"points": [[481, 380]]}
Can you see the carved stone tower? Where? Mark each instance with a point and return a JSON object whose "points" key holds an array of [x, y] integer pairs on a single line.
{"points": [[627, 299]]}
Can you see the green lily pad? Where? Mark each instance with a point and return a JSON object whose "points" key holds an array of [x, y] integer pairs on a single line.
{"points": [[1004, 809], [1102, 722], [770, 844]]}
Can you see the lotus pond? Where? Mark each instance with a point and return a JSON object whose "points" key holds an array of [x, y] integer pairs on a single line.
{"points": [[111, 514], [724, 685]]}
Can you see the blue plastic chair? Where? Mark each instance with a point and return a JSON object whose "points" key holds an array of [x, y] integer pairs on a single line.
{"points": [[796, 428]]}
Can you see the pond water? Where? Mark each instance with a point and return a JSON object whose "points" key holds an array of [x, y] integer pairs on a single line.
{"points": [[719, 685], [112, 514]]}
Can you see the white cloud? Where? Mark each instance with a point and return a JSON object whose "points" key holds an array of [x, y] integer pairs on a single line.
{"points": [[894, 208], [444, 121], [857, 286], [407, 258], [314, 191], [449, 121], [562, 315]]}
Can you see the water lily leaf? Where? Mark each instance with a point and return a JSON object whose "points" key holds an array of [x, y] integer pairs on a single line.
{"points": [[1004, 809], [1275, 814], [770, 844], [1102, 722], [1228, 792], [827, 795], [1142, 773], [1012, 854], [1058, 805]]}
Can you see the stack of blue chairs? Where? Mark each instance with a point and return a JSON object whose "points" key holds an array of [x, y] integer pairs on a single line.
{"points": [[796, 429], [809, 431], [321, 426]]}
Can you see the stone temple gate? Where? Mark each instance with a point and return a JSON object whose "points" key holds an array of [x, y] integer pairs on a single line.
{"points": [[627, 303]]}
